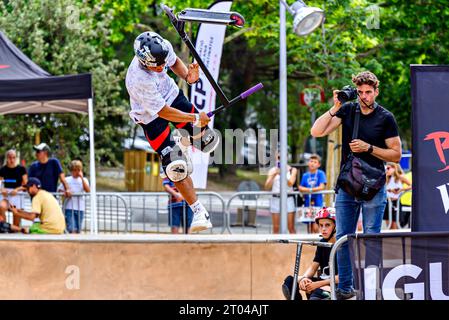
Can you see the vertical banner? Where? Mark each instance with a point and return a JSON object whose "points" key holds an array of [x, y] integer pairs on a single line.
{"points": [[209, 45], [410, 266], [430, 103]]}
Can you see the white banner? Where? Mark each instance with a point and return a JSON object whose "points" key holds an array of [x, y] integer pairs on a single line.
{"points": [[209, 45]]}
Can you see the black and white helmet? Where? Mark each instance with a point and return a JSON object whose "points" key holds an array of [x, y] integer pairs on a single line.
{"points": [[150, 48]]}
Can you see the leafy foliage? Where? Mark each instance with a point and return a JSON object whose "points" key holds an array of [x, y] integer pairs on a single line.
{"points": [[384, 37]]}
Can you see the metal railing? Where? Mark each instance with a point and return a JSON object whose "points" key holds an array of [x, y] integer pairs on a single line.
{"points": [[334, 249], [252, 210], [113, 215], [151, 211], [403, 209]]}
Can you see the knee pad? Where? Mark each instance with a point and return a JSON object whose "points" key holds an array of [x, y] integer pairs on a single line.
{"points": [[176, 166], [208, 142]]}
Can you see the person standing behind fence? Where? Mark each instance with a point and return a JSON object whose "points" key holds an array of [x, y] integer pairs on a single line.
{"points": [[178, 208], [48, 170], [395, 180], [314, 180], [13, 178], [377, 141], [75, 206], [273, 184], [406, 202]]}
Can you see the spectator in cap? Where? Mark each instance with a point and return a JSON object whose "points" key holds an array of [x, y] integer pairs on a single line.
{"points": [[48, 170], [45, 210]]}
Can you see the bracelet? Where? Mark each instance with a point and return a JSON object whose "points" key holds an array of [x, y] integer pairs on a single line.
{"points": [[189, 82], [197, 119], [332, 115]]}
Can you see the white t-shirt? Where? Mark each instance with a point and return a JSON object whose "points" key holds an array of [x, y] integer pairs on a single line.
{"points": [[150, 91], [276, 187], [76, 186], [391, 185]]}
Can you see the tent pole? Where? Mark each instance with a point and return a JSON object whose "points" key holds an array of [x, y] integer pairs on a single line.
{"points": [[93, 183]]}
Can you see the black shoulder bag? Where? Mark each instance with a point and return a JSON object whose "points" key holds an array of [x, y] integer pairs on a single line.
{"points": [[357, 177]]}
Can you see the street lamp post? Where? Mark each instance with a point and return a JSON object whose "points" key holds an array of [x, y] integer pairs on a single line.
{"points": [[306, 19]]}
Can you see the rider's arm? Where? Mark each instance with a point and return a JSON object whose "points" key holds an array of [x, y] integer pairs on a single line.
{"points": [[175, 115], [180, 69]]}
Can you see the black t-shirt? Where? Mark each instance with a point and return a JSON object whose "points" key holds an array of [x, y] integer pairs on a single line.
{"points": [[322, 255], [12, 177], [374, 128]]}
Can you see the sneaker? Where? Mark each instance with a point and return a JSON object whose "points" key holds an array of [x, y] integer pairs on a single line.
{"points": [[201, 221], [343, 295], [287, 287]]}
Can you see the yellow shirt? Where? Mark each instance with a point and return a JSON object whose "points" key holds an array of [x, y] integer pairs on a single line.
{"points": [[52, 219], [406, 199]]}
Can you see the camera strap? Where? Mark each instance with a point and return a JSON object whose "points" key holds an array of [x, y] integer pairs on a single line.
{"points": [[355, 131]]}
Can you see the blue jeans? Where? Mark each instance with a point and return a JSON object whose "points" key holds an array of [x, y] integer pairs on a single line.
{"points": [[74, 220], [347, 212]]}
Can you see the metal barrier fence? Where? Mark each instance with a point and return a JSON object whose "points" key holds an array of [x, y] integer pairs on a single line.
{"points": [[151, 212], [113, 215], [249, 211], [334, 249]]}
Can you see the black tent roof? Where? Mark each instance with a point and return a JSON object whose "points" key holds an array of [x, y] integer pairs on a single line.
{"points": [[27, 88]]}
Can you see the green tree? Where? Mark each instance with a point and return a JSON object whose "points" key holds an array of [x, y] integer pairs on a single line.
{"points": [[67, 37]]}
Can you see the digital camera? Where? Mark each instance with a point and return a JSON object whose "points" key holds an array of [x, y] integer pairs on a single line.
{"points": [[346, 94]]}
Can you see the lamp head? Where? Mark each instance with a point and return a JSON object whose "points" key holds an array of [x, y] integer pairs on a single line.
{"points": [[306, 18]]}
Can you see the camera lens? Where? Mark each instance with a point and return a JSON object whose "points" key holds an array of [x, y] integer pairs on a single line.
{"points": [[346, 94]]}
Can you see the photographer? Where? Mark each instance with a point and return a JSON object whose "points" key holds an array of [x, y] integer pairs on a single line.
{"points": [[377, 140]]}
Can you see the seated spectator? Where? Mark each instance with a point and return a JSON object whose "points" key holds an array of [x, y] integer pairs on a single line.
{"points": [[317, 287], [75, 206], [13, 177], [313, 180], [177, 208], [46, 212], [48, 170], [6, 227]]}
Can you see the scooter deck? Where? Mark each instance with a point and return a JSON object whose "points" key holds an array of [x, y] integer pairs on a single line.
{"points": [[213, 17]]}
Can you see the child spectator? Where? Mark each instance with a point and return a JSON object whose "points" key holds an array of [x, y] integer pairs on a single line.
{"points": [[313, 180], [317, 287], [75, 205], [178, 208]]}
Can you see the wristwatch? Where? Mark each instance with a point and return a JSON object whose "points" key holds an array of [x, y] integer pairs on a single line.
{"points": [[370, 149]]}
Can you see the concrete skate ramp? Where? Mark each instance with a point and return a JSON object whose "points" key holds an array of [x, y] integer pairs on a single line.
{"points": [[191, 267]]}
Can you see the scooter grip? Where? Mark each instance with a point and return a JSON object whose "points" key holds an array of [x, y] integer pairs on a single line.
{"points": [[252, 90]]}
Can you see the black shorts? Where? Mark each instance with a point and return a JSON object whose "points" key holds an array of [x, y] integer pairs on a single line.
{"points": [[394, 203], [158, 131], [5, 227]]}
